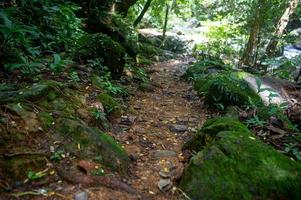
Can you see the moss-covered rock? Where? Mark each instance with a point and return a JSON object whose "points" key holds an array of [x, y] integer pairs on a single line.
{"points": [[93, 144], [101, 46], [33, 92], [205, 67], [226, 89], [234, 164], [146, 87], [112, 107], [30, 119], [208, 132]]}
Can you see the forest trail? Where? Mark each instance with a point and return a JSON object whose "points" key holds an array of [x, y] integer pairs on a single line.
{"points": [[160, 122]]}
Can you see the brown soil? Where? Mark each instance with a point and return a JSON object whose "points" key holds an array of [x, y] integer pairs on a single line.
{"points": [[172, 102]]}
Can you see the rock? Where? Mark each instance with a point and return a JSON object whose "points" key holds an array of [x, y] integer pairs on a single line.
{"points": [[232, 163], [163, 154], [33, 92], [165, 185], [81, 196], [178, 128], [146, 87], [93, 144], [112, 107], [127, 120], [164, 175], [98, 105], [30, 118]]}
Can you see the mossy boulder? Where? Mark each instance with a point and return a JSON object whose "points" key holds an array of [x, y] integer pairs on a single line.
{"points": [[101, 46], [226, 89], [210, 130], [93, 144], [205, 67], [30, 119], [32, 92], [234, 164], [112, 107]]}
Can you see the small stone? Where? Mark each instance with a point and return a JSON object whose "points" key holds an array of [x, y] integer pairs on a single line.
{"points": [[177, 128], [165, 185], [52, 149], [81, 196], [164, 174], [127, 120], [163, 153]]}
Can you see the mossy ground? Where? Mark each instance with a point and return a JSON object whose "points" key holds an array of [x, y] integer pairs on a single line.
{"points": [[234, 164]]}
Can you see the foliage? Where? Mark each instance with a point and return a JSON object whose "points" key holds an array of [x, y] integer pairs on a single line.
{"points": [[58, 155], [31, 175], [242, 166], [32, 29], [225, 89]]}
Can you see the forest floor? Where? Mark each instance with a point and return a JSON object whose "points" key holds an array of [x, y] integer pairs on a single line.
{"points": [[160, 122]]}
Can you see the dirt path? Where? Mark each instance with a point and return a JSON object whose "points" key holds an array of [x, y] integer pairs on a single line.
{"points": [[158, 130]]}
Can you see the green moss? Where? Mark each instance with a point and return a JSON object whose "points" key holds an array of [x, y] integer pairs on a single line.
{"points": [[33, 92], [111, 106], [237, 165], [46, 119], [93, 144], [205, 67], [208, 132]]}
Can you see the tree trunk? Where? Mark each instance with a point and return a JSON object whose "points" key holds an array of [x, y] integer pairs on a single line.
{"points": [[144, 10], [165, 22], [248, 57], [282, 23]]}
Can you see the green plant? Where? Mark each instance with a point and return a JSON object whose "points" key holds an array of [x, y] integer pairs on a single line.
{"points": [[97, 114], [58, 63], [74, 76], [293, 151], [112, 88], [98, 172], [31, 175], [24, 65], [58, 155], [255, 121]]}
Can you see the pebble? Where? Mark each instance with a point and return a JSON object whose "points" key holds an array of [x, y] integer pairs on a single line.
{"points": [[178, 128], [164, 174], [81, 196], [165, 185]]}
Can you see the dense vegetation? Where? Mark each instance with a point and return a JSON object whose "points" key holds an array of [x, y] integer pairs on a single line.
{"points": [[69, 67]]}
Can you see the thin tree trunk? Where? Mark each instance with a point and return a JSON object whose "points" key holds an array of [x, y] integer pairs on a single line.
{"points": [[282, 23], [165, 21], [144, 10], [250, 50]]}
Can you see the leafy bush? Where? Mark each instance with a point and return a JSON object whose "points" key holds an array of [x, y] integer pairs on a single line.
{"points": [[31, 29], [225, 89]]}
